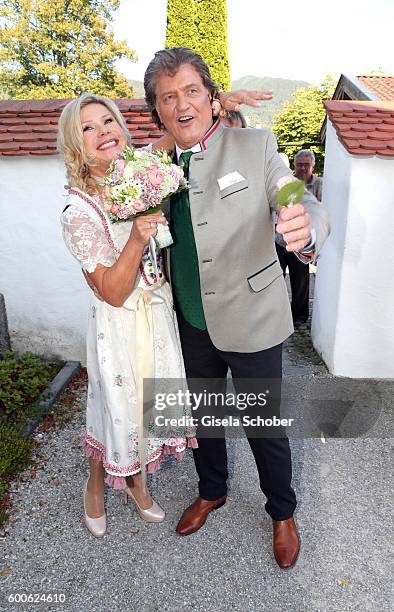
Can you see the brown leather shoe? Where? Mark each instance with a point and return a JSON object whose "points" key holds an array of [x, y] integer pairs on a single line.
{"points": [[195, 515], [286, 542]]}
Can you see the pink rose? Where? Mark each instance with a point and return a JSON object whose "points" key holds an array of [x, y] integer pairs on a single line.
{"points": [[155, 176], [138, 205], [107, 207], [120, 164]]}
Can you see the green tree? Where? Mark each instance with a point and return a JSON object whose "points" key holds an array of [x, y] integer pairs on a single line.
{"points": [[60, 49], [211, 22], [202, 26], [297, 125], [181, 24]]}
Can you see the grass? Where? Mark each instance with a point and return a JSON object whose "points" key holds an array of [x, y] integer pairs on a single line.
{"points": [[22, 381]]}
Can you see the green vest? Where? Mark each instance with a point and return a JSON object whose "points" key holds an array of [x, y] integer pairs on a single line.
{"points": [[185, 276]]}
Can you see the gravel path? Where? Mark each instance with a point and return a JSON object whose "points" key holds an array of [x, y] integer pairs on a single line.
{"points": [[228, 565]]}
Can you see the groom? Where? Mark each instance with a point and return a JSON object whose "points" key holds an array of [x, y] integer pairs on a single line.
{"points": [[231, 299]]}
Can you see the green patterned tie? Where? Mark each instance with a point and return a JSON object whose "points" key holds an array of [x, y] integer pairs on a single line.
{"points": [[185, 162], [185, 276]]}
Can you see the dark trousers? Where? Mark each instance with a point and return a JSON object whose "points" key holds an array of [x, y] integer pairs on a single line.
{"points": [[299, 282], [272, 454]]}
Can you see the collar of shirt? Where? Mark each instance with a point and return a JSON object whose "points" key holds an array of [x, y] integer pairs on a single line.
{"points": [[195, 149]]}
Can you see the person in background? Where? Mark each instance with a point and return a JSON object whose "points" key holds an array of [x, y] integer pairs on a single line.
{"points": [[304, 163], [234, 119]]}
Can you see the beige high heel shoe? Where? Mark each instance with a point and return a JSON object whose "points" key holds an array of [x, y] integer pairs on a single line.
{"points": [[96, 526], [154, 514]]}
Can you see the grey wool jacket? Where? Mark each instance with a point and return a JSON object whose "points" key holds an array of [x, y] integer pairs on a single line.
{"points": [[233, 186]]}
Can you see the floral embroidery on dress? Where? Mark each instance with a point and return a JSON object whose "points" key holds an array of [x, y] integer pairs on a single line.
{"points": [[118, 381]]}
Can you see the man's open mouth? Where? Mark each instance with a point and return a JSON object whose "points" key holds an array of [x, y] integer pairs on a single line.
{"points": [[185, 120]]}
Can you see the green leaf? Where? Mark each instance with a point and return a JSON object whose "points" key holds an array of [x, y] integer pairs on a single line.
{"points": [[291, 193]]}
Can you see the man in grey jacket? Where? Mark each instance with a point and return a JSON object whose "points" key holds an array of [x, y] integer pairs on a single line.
{"points": [[229, 292]]}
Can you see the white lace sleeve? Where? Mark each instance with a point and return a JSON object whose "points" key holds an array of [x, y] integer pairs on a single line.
{"points": [[86, 240]]}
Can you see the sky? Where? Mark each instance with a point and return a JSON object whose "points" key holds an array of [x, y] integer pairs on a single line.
{"points": [[288, 39]]}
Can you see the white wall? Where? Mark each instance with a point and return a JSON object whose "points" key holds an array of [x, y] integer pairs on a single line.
{"points": [[45, 293], [353, 322]]}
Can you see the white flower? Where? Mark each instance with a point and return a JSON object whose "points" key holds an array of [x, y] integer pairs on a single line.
{"points": [[129, 201], [129, 170]]}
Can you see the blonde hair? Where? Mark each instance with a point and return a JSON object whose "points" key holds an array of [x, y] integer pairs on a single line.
{"points": [[70, 142]]}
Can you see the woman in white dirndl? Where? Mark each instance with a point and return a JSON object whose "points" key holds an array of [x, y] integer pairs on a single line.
{"points": [[132, 332]]}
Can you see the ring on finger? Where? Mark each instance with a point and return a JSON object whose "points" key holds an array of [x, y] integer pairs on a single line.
{"points": [[152, 224]]}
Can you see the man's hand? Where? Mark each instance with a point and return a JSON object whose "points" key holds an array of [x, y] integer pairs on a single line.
{"points": [[232, 100], [295, 226]]}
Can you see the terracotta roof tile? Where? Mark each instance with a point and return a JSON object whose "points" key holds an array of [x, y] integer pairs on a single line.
{"points": [[36, 136], [44, 152], [366, 128], [29, 127], [355, 114], [349, 134], [385, 153], [363, 127], [35, 145], [346, 120], [9, 146], [369, 119], [385, 127], [380, 135], [15, 153], [381, 86]]}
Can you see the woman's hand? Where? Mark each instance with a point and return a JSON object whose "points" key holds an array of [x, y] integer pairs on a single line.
{"points": [[232, 100], [115, 284], [145, 226]]}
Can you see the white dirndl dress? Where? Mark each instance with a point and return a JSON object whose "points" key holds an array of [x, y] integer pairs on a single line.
{"points": [[124, 345]]}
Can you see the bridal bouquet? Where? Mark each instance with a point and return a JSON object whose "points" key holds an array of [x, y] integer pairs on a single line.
{"points": [[137, 183]]}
